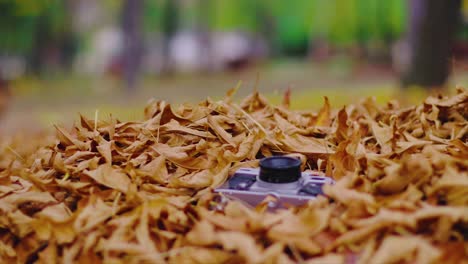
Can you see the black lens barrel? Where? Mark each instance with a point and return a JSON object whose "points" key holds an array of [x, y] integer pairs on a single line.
{"points": [[280, 169]]}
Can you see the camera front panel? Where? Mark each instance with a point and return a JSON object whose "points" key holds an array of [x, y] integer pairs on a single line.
{"points": [[246, 186]]}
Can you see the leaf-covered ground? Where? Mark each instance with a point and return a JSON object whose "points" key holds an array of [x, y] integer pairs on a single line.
{"points": [[141, 192]]}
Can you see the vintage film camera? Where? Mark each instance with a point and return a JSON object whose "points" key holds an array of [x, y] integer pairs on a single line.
{"points": [[279, 177]]}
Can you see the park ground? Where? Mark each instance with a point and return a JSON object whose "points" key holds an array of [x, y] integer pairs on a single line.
{"points": [[37, 104]]}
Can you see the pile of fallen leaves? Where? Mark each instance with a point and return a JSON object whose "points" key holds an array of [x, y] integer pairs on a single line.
{"points": [[141, 192]]}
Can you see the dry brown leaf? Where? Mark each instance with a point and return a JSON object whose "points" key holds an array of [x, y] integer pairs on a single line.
{"points": [[244, 244], [392, 251], [110, 177], [324, 115], [141, 191]]}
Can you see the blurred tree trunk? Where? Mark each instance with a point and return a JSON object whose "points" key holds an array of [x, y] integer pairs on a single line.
{"points": [[432, 28], [4, 94], [133, 41], [169, 27]]}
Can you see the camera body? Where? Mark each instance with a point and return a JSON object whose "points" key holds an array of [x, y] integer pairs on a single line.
{"points": [[253, 185]]}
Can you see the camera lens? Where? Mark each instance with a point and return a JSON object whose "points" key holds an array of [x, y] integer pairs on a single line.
{"points": [[280, 169]]}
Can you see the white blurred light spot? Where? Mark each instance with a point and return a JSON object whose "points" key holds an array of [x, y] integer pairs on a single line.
{"points": [[185, 52], [12, 67]]}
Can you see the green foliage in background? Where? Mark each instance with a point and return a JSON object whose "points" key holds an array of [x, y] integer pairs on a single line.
{"points": [[342, 23], [152, 15], [227, 15], [20, 20], [292, 23]]}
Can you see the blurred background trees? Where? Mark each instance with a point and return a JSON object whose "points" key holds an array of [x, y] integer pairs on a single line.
{"points": [[162, 37]]}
